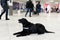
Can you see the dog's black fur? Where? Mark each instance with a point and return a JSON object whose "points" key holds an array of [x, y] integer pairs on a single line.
{"points": [[32, 28]]}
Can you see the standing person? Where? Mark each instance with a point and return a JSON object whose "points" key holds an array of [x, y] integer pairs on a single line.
{"points": [[38, 8], [5, 7], [29, 7]]}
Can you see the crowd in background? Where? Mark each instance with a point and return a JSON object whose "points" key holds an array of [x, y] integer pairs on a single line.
{"points": [[36, 6], [44, 8]]}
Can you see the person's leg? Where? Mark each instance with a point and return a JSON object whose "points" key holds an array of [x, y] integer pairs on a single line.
{"points": [[38, 11], [27, 12], [6, 9], [30, 10], [2, 12]]}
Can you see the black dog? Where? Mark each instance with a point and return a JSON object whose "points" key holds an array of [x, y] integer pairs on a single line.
{"points": [[32, 28]]}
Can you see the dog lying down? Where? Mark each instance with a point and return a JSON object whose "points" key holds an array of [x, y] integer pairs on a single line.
{"points": [[30, 28]]}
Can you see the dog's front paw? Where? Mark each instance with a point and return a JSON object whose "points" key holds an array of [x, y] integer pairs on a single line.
{"points": [[19, 35], [14, 34]]}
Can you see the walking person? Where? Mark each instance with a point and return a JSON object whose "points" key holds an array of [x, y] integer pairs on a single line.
{"points": [[5, 7], [29, 7], [38, 7]]}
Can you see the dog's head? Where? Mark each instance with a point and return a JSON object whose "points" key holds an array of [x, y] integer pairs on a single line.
{"points": [[23, 21]]}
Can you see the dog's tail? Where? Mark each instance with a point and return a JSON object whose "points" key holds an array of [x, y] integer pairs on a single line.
{"points": [[49, 31]]}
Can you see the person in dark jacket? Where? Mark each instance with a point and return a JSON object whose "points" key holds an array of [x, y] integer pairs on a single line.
{"points": [[29, 7], [5, 7], [38, 8]]}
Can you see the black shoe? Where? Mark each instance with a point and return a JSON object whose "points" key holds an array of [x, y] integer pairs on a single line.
{"points": [[0, 17], [7, 19]]}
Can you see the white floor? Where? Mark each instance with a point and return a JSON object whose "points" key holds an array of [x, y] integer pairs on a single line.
{"points": [[51, 22]]}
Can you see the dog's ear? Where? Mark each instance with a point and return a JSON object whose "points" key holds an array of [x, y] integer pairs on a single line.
{"points": [[23, 20]]}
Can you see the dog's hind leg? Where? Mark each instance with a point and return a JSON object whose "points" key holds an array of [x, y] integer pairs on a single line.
{"points": [[40, 31]]}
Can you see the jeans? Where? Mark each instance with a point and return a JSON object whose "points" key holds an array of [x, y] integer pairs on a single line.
{"points": [[38, 11], [28, 10]]}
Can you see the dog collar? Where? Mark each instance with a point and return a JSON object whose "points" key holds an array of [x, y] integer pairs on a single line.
{"points": [[25, 28]]}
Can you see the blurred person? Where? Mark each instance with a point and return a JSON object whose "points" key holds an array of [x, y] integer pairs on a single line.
{"points": [[5, 7], [38, 8], [59, 7], [48, 9], [57, 10], [29, 7]]}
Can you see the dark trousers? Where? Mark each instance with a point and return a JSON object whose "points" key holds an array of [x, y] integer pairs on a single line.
{"points": [[5, 9], [28, 10], [38, 11]]}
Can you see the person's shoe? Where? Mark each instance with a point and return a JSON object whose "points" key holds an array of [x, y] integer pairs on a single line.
{"points": [[7, 19], [0, 17]]}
